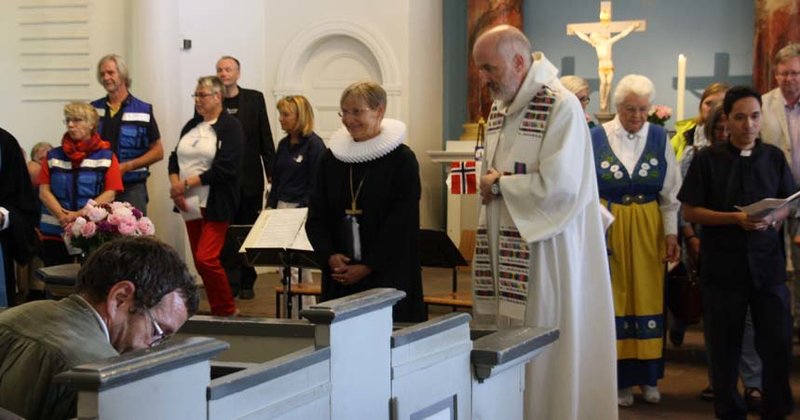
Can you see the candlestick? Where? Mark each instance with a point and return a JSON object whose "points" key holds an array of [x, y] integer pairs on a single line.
{"points": [[681, 87]]}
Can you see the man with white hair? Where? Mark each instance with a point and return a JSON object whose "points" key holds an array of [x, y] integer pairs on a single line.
{"points": [[780, 126], [129, 125], [540, 252]]}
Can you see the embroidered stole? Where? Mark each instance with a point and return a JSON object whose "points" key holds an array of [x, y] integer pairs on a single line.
{"points": [[505, 291]]}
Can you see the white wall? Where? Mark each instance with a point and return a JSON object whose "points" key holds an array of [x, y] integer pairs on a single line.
{"points": [[257, 33], [33, 121]]}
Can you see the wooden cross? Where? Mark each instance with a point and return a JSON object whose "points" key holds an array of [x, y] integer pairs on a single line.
{"points": [[602, 35]]}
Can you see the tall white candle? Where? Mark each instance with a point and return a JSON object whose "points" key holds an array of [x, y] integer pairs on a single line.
{"points": [[681, 87]]}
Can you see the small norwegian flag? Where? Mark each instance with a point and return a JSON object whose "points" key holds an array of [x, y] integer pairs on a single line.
{"points": [[463, 178]]}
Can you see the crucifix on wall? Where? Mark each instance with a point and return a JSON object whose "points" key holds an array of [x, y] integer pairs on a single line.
{"points": [[602, 35]]}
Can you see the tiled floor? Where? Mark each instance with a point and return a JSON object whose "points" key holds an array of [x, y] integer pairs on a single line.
{"points": [[685, 372]]}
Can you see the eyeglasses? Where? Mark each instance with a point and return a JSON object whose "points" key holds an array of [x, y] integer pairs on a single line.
{"points": [[202, 95], [353, 113], [788, 74], [158, 333], [584, 99], [630, 109], [72, 120]]}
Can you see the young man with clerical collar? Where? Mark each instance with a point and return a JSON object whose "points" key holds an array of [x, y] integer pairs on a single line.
{"points": [[743, 262]]}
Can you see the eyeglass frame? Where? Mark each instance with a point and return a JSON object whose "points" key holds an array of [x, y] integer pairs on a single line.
{"points": [[354, 113], [75, 120], [159, 337], [787, 74], [203, 95]]}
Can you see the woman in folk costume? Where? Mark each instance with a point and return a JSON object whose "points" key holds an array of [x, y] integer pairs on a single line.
{"points": [[638, 180], [83, 168], [540, 258], [363, 216]]}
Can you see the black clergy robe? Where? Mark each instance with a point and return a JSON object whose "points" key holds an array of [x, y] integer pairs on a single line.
{"points": [[389, 226], [18, 241]]}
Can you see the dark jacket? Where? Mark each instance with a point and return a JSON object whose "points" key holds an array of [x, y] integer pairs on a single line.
{"points": [[19, 241], [259, 147], [222, 176]]}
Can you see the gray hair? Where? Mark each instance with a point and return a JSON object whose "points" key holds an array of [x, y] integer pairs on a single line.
{"points": [[574, 84], [39, 146], [122, 69], [635, 84], [371, 92], [787, 53], [213, 83]]}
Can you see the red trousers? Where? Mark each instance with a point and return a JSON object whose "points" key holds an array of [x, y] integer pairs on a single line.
{"points": [[206, 239]]}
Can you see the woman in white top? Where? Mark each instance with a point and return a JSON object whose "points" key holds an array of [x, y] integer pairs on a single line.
{"points": [[205, 186]]}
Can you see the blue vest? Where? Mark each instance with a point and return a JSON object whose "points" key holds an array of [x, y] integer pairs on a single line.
{"points": [[132, 140], [73, 187], [613, 180]]}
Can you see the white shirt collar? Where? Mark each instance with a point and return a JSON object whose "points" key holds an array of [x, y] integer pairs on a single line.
{"points": [[621, 133], [344, 148], [96, 315]]}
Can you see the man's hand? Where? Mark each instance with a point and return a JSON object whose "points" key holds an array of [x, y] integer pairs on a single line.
{"points": [[486, 185], [754, 223]]}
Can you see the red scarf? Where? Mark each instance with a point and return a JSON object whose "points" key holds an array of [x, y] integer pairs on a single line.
{"points": [[77, 150]]}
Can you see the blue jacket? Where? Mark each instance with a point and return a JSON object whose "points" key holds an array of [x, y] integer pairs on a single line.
{"points": [[74, 187], [137, 129]]}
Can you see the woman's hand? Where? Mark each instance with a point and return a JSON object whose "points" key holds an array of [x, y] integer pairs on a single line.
{"points": [[67, 216], [177, 188], [349, 275], [673, 249], [337, 261], [180, 203]]}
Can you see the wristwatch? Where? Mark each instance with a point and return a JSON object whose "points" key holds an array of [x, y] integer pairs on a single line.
{"points": [[495, 188]]}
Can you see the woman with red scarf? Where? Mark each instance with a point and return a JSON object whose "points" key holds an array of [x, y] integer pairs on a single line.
{"points": [[82, 168]]}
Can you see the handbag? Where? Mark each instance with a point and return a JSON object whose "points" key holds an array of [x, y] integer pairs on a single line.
{"points": [[685, 295]]}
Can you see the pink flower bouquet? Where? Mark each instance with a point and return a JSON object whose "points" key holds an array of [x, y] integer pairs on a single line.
{"points": [[659, 114], [99, 223]]}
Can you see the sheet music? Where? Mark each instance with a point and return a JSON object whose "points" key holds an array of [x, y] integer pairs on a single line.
{"points": [[764, 207], [283, 229]]}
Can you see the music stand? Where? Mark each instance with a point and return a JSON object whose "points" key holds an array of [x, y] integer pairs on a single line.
{"points": [[437, 250], [285, 252]]}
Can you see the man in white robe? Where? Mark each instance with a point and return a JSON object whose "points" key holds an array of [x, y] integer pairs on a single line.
{"points": [[540, 257]]}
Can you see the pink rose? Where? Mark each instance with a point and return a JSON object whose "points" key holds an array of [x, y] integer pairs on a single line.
{"points": [[88, 230], [126, 228], [114, 219], [76, 227], [146, 226], [123, 212], [96, 214]]}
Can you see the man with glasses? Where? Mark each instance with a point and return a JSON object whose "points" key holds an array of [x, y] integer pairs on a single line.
{"points": [[259, 150], [780, 125], [129, 125], [132, 293]]}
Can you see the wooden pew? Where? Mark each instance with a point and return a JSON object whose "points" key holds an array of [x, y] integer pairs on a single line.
{"points": [[345, 362]]}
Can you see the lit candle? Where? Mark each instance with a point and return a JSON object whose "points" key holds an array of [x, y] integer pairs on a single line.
{"points": [[681, 87]]}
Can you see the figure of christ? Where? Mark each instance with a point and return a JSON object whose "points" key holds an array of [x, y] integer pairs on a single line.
{"points": [[602, 42]]}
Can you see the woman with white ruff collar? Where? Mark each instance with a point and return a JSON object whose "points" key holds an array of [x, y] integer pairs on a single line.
{"points": [[364, 213]]}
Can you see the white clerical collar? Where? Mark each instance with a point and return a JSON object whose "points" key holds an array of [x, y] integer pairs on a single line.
{"points": [[96, 315], [344, 148]]}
